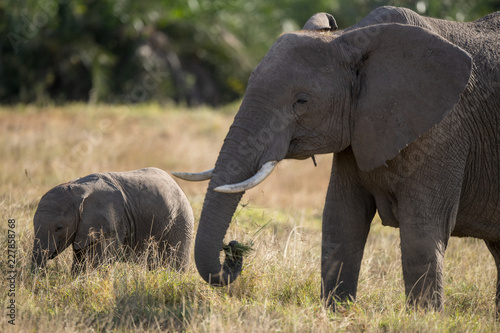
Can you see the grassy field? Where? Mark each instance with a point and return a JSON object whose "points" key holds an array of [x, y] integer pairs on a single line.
{"points": [[279, 288]]}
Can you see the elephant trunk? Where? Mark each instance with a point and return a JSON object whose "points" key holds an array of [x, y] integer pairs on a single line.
{"points": [[38, 258], [218, 210], [239, 159], [43, 252], [258, 138], [216, 215]]}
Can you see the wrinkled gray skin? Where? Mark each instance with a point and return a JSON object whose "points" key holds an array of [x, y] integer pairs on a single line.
{"points": [[104, 213], [411, 111]]}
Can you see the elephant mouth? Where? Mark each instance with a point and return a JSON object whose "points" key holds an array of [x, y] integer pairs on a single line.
{"points": [[299, 156], [302, 148], [296, 152], [57, 250]]}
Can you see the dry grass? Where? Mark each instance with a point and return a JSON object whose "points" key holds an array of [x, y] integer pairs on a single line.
{"points": [[279, 287]]}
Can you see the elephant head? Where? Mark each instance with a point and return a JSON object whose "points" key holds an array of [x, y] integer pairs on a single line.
{"points": [[374, 89], [77, 213]]}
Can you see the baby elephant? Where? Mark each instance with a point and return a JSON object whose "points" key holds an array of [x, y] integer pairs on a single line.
{"points": [[104, 214]]}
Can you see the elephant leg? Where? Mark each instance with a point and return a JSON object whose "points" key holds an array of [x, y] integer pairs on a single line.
{"points": [[106, 252], [349, 210], [494, 248], [101, 252], [154, 254], [79, 262], [426, 219], [427, 185], [422, 253], [169, 256], [178, 249], [179, 256]]}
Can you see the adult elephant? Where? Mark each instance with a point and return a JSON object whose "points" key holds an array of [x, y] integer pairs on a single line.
{"points": [[411, 110]]}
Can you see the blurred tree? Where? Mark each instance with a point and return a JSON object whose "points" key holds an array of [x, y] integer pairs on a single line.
{"points": [[191, 52]]}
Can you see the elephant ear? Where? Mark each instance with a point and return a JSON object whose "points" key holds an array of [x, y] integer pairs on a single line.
{"points": [[101, 212], [321, 22], [408, 80]]}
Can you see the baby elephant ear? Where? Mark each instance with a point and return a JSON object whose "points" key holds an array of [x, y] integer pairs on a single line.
{"points": [[321, 22], [101, 211]]}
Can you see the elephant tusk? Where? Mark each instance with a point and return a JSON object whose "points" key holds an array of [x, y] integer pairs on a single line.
{"points": [[194, 177], [262, 174]]}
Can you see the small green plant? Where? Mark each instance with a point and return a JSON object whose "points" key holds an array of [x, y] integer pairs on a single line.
{"points": [[235, 250]]}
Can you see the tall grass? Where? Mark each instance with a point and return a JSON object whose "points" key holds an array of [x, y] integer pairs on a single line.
{"points": [[279, 288]]}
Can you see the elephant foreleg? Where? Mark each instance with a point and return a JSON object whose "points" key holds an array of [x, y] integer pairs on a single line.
{"points": [[78, 262], [426, 222], [168, 254], [349, 210], [105, 251], [98, 253], [494, 248], [422, 253]]}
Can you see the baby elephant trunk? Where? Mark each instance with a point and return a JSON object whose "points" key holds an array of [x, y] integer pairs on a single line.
{"points": [[38, 258]]}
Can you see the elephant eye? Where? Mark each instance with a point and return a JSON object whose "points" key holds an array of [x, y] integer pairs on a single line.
{"points": [[301, 98], [300, 105], [59, 227]]}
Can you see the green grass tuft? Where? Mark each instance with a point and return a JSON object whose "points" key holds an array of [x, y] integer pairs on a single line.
{"points": [[237, 251]]}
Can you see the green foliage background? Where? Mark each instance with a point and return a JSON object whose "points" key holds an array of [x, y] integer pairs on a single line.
{"points": [[190, 52]]}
